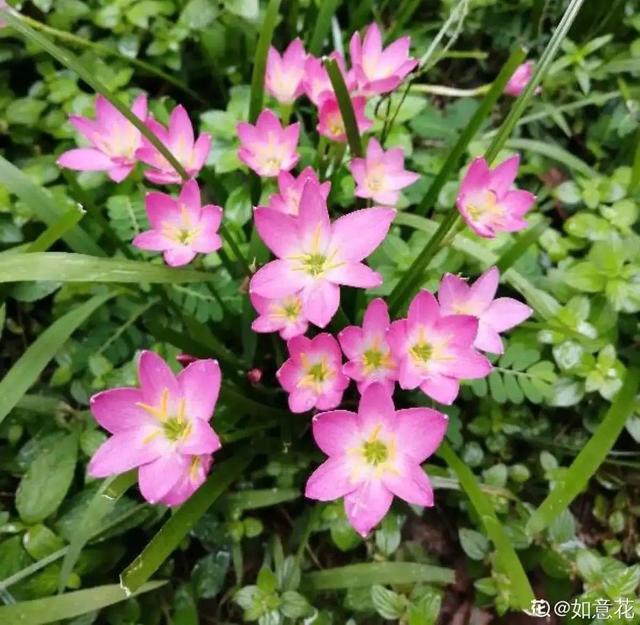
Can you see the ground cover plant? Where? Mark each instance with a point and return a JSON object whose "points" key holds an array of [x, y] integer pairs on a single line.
{"points": [[319, 312]]}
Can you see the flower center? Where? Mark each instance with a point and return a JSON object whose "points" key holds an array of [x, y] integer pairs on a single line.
{"points": [[486, 206], [421, 351], [176, 429], [315, 264], [375, 452], [336, 126], [373, 359], [315, 374]]}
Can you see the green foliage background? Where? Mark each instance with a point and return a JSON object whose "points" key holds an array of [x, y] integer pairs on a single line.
{"points": [[260, 552]]}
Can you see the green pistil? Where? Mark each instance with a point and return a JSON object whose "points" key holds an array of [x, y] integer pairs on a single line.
{"points": [[421, 351], [314, 264], [373, 359], [175, 429], [375, 452], [318, 372]]}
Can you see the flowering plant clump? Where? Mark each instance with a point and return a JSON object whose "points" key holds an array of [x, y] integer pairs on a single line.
{"points": [[318, 313]]}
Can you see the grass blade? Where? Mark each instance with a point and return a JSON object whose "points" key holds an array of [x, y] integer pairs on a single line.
{"points": [[481, 113], [520, 245], [590, 457], [506, 556], [554, 152], [173, 532], [56, 230], [102, 503], [517, 110], [346, 107], [72, 62], [65, 267], [369, 573], [44, 208], [256, 98], [323, 25], [30, 365], [67, 606]]}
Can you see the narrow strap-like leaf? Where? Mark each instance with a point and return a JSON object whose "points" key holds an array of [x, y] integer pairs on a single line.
{"points": [[506, 555], [174, 531], [346, 107], [322, 26], [369, 573], [44, 208], [590, 457], [30, 365], [65, 267], [56, 230], [520, 245], [67, 606], [256, 97]]}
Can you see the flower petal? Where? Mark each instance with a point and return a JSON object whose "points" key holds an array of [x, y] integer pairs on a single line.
{"points": [[157, 478], [201, 440], [127, 450], [359, 233], [277, 230], [200, 385], [411, 484], [331, 480], [85, 159], [420, 431], [117, 409], [367, 505], [156, 378], [320, 302]]}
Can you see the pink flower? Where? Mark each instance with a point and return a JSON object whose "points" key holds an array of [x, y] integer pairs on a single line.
{"points": [[435, 352], [282, 315], [181, 228], [284, 74], [369, 353], [113, 139], [520, 79], [179, 139], [160, 428], [313, 374], [488, 202], [375, 455], [456, 296], [330, 123], [381, 175], [378, 70], [267, 147], [194, 472], [288, 200], [315, 256], [316, 82]]}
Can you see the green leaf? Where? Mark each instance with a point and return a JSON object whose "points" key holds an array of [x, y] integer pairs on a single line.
{"points": [[294, 605], [520, 245], [590, 457], [30, 365], [322, 25], [209, 573], [44, 208], [474, 544], [69, 605], [43, 488], [553, 152], [185, 610], [388, 604], [507, 558], [260, 61], [64, 267], [100, 507], [346, 107], [370, 573], [173, 532]]}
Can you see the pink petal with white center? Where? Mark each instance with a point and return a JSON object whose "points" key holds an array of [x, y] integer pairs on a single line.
{"points": [[275, 280], [179, 255], [153, 241], [488, 340], [157, 478], [331, 480], [289, 373], [332, 399], [478, 176], [357, 275], [201, 150], [505, 313], [351, 341], [453, 292], [247, 134], [190, 199], [139, 106], [161, 208], [120, 172], [397, 337], [503, 176], [465, 363], [458, 329], [193, 476], [483, 290], [423, 310], [376, 317], [376, 405], [302, 400], [411, 484], [314, 227], [180, 128], [320, 302], [409, 377], [278, 231], [518, 202], [85, 159], [208, 239], [200, 440], [199, 386], [441, 388], [334, 432], [88, 128], [156, 378], [420, 431], [372, 44], [359, 233], [127, 450], [117, 409], [367, 506]]}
